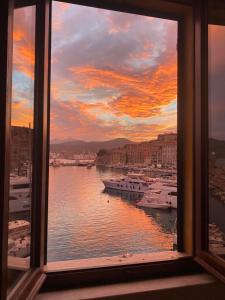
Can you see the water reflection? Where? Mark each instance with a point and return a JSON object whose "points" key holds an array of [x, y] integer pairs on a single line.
{"points": [[125, 195], [165, 218], [86, 220]]}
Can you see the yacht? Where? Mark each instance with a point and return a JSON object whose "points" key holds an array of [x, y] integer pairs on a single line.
{"points": [[161, 195], [19, 238], [20, 194], [132, 182], [18, 229], [19, 247]]}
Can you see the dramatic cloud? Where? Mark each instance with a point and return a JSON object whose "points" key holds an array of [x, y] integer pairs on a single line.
{"points": [[24, 41], [140, 95], [22, 114], [113, 74], [72, 118], [23, 66]]}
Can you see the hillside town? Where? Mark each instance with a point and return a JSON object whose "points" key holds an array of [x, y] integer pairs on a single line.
{"points": [[159, 152]]}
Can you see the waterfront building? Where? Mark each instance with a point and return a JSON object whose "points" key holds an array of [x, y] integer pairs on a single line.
{"points": [[161, 151], [21, 147]]}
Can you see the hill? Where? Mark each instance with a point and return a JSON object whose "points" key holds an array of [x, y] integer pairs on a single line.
{"points": [[79, 146]]}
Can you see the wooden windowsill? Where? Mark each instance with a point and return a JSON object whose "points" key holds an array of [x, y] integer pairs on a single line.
{"points": [[129, 290], [121, 260]]}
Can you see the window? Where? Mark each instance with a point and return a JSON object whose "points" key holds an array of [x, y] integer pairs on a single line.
{"points": [[190, 51], [209, 91], [216, 140], [216, 94], [21, 143], [113, 88]]}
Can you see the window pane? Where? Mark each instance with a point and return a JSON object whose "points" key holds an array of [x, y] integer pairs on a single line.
{"points": [[113, 154], [216, 139], [20, 193]]}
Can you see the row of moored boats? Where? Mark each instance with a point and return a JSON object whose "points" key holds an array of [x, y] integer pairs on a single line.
{"points": [[157, 192]]}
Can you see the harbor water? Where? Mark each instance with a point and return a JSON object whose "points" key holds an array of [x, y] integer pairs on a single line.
{"points": [[87, 221]]}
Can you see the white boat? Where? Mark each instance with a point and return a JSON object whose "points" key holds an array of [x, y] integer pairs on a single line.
{"points": [[19, 238], [56, 163], [132, 183], [20, 194], [18, 229], [161, 195], [19, 247]]}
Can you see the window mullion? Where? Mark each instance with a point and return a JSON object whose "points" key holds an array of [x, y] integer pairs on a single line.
{"points": [[40, 149], [201, 132]]}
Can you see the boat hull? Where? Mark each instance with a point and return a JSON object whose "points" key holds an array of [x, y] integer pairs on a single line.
{"points": [[124, 187], [20, 205], [154, 205]]}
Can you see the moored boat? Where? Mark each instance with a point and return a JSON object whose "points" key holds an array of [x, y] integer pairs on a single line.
{"points": [[132, 183], [161, 195], [20, 194]]}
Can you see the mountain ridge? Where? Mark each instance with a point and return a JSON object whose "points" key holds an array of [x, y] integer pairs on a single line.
{"points": [[78, 146]]}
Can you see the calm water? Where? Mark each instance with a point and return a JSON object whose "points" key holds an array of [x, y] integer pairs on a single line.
{"points": [[86, 221]]}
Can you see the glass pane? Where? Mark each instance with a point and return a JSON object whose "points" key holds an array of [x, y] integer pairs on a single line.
{"points": [[217, 139], [113, 136], [21, 144]]}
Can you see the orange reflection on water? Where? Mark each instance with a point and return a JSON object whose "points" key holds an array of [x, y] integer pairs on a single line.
{"points": [[85, 221]]}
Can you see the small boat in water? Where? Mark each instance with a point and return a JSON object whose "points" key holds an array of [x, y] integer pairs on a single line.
{"points": [[133, 182]]}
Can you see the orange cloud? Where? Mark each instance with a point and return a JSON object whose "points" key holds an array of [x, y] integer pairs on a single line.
{"points": [[18, 34], [141, 95], [24, 42], [21, 114], [23, 60], [92, 77], [77, 120]]}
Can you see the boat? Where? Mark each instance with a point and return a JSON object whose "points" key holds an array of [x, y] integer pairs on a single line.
{"points": [[161, 195], [19, 194], [18, 229], [19, 247], [19, 238], [133, 182], [56, 163]]}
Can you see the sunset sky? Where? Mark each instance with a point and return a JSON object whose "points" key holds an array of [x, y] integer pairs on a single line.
{"points": [[113, 74], [23, 66]]}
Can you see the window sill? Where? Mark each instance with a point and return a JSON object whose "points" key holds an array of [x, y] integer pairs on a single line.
{"points": [[121, 260], [163, 287]]}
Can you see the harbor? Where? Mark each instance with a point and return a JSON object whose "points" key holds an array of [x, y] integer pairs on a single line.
{"points": [[99, 222], [125, 210], [112, 203]]}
